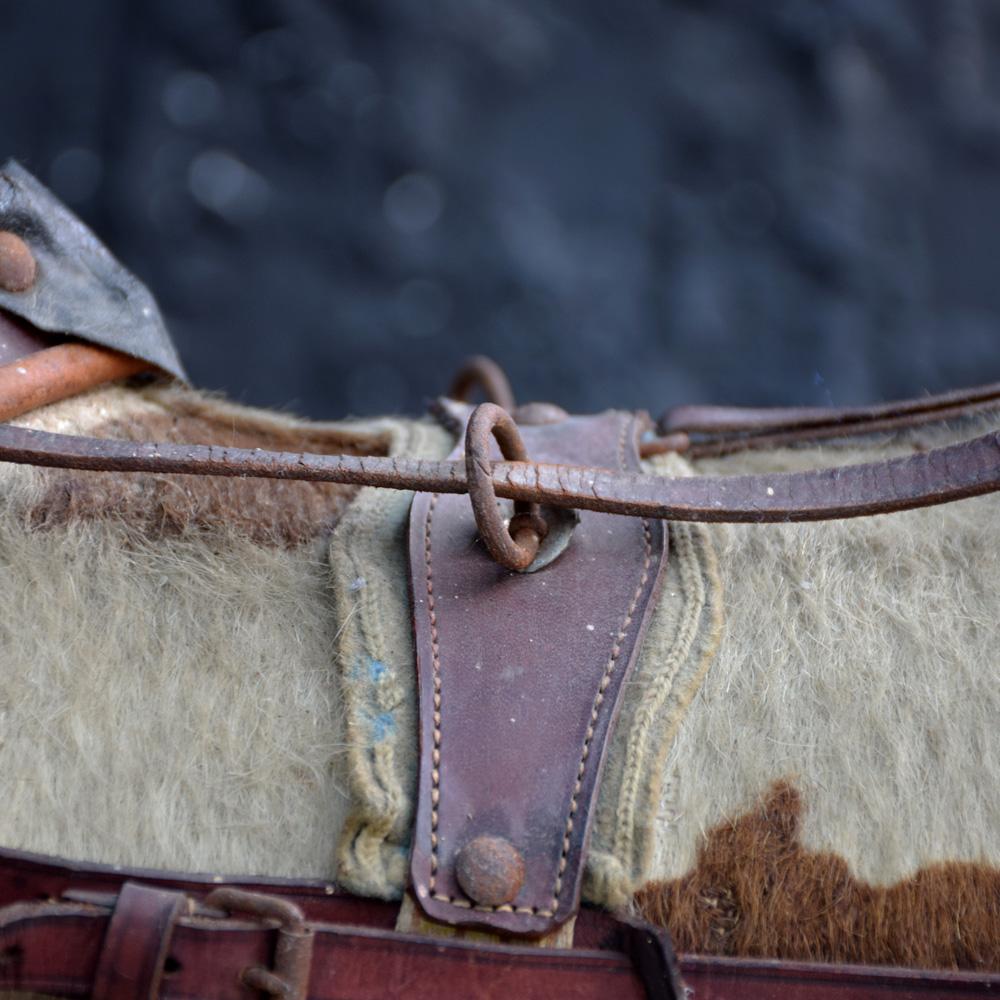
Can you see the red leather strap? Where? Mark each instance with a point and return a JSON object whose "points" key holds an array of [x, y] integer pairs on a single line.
{"points": [[135, 944], [54, 948], [710, 978]]}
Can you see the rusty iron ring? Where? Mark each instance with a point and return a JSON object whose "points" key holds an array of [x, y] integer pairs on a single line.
{"points": [[484, 373], [514, 546]]}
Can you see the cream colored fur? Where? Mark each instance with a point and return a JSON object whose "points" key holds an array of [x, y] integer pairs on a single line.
{"points": [[859, 659], [167, 703]]}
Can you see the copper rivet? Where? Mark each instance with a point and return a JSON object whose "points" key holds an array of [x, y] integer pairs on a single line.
{"points": [[17, 264], [490, 870]]}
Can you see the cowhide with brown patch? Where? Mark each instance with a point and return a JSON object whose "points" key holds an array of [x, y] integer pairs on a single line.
{"points": [[268, 511], [757, 892]]}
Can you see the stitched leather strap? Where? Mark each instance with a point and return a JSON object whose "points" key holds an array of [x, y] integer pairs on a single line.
{"points": [[131, 963], [519, 678], [934, 477]]}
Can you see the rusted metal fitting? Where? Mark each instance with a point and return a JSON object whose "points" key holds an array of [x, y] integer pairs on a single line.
{"points": [[485, 374], [18, 269], [517, 546], [528, 528], [490, 870], [289, 978]]}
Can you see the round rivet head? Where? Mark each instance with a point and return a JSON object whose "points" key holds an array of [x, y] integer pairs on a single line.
{"points": [[17, 264], [490, 871]]}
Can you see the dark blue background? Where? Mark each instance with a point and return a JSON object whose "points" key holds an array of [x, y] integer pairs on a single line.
{"points": [[631, 203]]}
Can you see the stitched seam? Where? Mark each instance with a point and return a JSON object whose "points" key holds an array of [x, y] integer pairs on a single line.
{"points": [[436, 673], [694, 595], [602, 687], [594, 715], [436, 749]]}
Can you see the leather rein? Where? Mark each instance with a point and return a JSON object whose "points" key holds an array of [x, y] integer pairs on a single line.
{"points": [[938, 476]]}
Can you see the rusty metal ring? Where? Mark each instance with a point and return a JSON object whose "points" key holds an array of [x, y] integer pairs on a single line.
{"points": [[488, 376], [514, 547]]}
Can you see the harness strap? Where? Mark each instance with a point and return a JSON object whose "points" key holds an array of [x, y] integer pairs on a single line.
{"points": [[149, 943], [941, 475], [705, 431], [55, 948], [131, 963]]}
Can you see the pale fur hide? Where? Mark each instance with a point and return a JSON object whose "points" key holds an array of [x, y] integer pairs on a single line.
{"points": [[202, 700], [167, 701], [859, 660]]}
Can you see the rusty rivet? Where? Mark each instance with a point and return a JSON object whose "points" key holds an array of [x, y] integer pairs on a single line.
{"points": [[17, 263], [490, 870]]}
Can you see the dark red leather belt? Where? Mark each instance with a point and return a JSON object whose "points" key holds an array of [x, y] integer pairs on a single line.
{"points": [[93, 931], [74, 931]]}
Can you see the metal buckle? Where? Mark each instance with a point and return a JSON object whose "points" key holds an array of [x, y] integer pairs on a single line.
{"points": [[289, 976]]}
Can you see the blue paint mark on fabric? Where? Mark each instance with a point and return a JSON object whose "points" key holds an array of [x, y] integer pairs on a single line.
{"points": [[383, 725]]}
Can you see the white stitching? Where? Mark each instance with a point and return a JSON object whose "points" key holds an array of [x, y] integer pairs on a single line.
{"points": [[605, 681], [594, 714]]}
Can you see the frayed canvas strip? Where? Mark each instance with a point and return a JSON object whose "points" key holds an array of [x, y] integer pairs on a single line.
{"points": [[375, 664]]}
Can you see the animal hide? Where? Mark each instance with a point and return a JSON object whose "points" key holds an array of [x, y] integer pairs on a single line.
{"points": [[170, 696], [217, 675], [834, 790]]}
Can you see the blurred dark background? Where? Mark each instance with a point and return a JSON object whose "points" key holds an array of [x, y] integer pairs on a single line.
{"points": [[632, 203]]}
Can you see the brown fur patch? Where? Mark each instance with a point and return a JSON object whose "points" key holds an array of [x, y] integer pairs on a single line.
{"points": [[270, 511], [756, 892]]}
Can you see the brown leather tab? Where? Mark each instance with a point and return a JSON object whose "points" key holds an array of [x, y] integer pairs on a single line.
{"points": [[519, 679], [135, 947]]}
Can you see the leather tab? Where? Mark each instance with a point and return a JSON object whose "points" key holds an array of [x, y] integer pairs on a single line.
{"points": [[135, 947], [519, 678]]}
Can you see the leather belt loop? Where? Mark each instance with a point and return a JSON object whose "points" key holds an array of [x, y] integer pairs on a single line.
{"points": [[131, 964], [653, 958]]}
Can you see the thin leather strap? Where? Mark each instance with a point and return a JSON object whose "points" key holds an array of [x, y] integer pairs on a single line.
{"points": [[728, 444], [714, 419], [131, 963], [722, 430], [934, 477]]}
